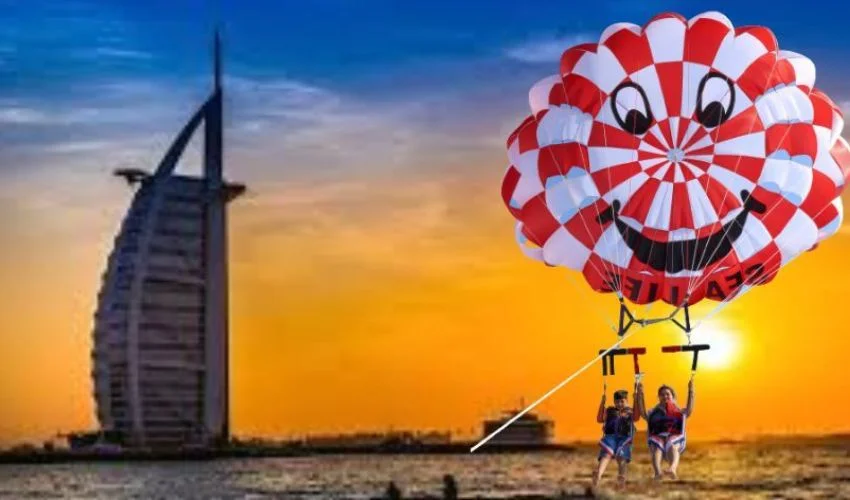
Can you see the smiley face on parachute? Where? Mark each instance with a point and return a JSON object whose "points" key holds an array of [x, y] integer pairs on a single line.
{"points": [[677, 161]]}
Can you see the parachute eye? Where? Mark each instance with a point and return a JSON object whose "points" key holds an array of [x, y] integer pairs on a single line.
{"points": [[631, 108], [715, 99]]}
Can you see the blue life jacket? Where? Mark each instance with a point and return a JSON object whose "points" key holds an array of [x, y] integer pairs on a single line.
{"points": [[660, 422], [616, 424]]}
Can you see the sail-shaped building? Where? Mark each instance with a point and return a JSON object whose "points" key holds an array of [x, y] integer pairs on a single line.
{"points": [[160, 355]]}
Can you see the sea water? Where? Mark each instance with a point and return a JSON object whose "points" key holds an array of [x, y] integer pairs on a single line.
{"points": [[786, 469]]}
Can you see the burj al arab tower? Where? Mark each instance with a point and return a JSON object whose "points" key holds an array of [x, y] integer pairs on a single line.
{"points": [[160, 356]]}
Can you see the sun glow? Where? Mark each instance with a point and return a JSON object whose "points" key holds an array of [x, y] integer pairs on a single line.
{"points": [[725, 346]]}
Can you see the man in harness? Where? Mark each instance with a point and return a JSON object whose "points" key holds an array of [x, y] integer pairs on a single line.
{"points": [[618, 430]]}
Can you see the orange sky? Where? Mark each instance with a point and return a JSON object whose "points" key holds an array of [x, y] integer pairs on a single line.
{"points": [[367, 303]]}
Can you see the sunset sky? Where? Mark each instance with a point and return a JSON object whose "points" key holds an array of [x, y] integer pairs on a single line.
{"points": [[375, 281]]}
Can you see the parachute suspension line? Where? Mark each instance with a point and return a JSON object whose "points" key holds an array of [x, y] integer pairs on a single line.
{"points": [[551, 391], [615, 213], [595, 269], [616, 279], [608, 271], [736, 294], [596, 308], [699, 278], [695, 277], [704, 277], [740, 292]]}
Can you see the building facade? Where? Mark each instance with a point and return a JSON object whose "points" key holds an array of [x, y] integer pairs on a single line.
{"points": [[160, 356], [527, 430]]}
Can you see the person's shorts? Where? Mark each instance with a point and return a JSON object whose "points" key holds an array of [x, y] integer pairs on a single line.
{"points": [[665, 442], [616, 446]]}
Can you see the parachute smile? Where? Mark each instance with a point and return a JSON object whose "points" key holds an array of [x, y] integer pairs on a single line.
{"points": [[692, 255]]}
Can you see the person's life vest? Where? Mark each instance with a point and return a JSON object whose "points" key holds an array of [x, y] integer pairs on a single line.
{"points": [[620, 425], [666, 419]]}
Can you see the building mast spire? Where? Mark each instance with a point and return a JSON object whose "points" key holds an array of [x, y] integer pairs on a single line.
{"points": [[216, 377], [217, 58]]}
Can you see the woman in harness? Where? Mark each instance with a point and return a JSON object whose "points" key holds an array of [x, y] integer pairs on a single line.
{"points": [[666, 427], [618, 429]]}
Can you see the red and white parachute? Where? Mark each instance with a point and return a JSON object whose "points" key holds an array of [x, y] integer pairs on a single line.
{"points": [[681, 160]]}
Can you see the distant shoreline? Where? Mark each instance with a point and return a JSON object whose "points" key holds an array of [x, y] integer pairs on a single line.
{"points": [[285, 451], [39, 456]]}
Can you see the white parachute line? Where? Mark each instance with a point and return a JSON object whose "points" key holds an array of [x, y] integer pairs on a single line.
{"points": [[705, 276], [612, 268], [552, 391], [578, 214], [632, 193], [694, 259], [608, 170], [698, 279], [735, 295], [770, 210], [596, 308], [596, 269], [649, 306], [679, 111], [614, 219], [631, 179]]}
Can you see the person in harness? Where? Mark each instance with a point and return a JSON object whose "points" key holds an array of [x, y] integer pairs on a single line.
{"points": [[618, 429], [666, 427]]}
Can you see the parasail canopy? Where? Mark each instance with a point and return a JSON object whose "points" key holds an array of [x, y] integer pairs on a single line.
{"points": [[681, 160]]}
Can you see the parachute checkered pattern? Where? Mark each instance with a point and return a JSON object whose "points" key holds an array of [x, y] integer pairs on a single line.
{"points": [[677, 161]]}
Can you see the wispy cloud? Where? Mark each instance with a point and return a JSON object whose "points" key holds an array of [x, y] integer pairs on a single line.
{"points": [[23, 116], [329, 132], [277, 128], [96, 108], [42, 116], [121, 53], [78, 147], [546, 50]]}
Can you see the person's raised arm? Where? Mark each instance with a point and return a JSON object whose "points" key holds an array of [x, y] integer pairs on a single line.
{"points": [[636, 405], [600, 415], [641, 404], [689, 409]]}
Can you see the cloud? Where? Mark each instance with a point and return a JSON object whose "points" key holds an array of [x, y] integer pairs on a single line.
{"points": [[546, 50], [280, 122], [78, 147], [277, 128], [94, 113], [23, 116], [121, 53], [89, 115]]}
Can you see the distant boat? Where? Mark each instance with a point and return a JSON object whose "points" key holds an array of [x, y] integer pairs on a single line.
{"points": [[528, 430]]}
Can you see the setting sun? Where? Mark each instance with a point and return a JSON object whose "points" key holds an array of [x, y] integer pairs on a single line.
{"points": [[724, 343]]}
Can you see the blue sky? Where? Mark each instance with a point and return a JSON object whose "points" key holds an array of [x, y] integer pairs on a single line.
{"points": [[118, 78], [326, 39]]}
